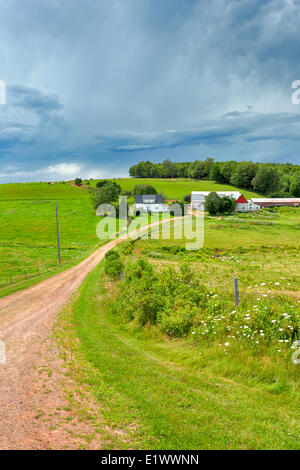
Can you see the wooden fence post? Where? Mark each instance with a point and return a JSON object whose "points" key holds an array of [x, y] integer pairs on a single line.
{"points": [[236, 292], [57, 233]]}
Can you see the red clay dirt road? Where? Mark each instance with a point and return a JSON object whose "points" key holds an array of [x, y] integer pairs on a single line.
{"points": [[32, 380]]}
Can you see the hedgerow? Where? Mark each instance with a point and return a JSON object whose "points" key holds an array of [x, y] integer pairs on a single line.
{"points": [[179, 303]]}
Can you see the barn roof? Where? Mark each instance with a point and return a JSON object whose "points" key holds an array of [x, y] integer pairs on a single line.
{"points": [[199, 195], [258, 200]]}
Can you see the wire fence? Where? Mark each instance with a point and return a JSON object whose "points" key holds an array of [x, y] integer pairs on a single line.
{"points": [[31, 273], [15, 279]]}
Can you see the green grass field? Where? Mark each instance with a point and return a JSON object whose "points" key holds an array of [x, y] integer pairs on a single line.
{"points": [[28, 247], [256, 249], [179, 187], [161, 392], [41, 191], [155, 391]]}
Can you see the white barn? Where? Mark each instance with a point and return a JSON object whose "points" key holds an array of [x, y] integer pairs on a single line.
{"points": [[276, 202], [242, 205]]}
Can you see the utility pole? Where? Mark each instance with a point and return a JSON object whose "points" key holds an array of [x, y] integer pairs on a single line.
{"points": [[57, 230]]}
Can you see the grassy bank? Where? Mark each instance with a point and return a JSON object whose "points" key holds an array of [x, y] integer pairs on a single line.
{"points": [[162, 393]]}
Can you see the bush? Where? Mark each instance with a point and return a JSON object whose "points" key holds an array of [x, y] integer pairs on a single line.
{"points": [[113, 264], [213, 203], [101, 183], [112, 254], [227, 205], [127, 247], [107, 194], [78, 181], [178, 323], [141, 189], [216, 205], [179, 304]]}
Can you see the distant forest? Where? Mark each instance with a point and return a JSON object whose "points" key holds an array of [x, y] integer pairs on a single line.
{"points": [[271, 179]]}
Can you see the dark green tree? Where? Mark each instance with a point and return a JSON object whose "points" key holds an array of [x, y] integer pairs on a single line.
{"points": [[197, 170], [107, 194], [266, 180], [227, 205], [227, 169], [143, 189], [213, 203], [215, 173], [295, 185], [101, 183], [169, 169], [243, 175], [78, 181]]}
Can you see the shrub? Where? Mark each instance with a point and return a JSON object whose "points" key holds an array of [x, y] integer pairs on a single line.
{"points": [[143, 189], [227, 205], [178, 323], [213, 203], [101, 183], [107, 194], [78, 181], [112, 254], [127, 247], [179, 304], [113, 264]]}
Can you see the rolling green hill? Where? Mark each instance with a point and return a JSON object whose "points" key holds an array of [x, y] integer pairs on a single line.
{"points": [[28, 225], [36, 191], [192, 391], [179, 187], [28, 246]]}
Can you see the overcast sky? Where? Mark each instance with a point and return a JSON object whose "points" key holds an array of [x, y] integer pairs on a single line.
{"points": [[94, 86]]}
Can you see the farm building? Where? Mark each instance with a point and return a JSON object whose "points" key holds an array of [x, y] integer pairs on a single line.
{"points": [[150, 203], [279, 202], [242, 205]]}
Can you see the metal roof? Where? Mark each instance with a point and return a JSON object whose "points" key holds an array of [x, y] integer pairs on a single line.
{"points": [[275, 200], [200, 195], [149, 199]]}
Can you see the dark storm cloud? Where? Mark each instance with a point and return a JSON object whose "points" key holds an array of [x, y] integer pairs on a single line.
{"points": [[94, 86], [33, 100]]}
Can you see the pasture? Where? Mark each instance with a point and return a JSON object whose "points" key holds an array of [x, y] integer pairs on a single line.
{"points": [[190, 368], [218, 377], [177, 188], [28, 246], [258, 249], [192, 378]]}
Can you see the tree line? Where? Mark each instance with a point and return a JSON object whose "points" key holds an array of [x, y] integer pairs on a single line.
{"points": [[270, 179]]}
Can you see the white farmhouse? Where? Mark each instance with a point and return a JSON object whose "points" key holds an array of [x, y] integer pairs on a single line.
{"points": [[150, 203]]}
